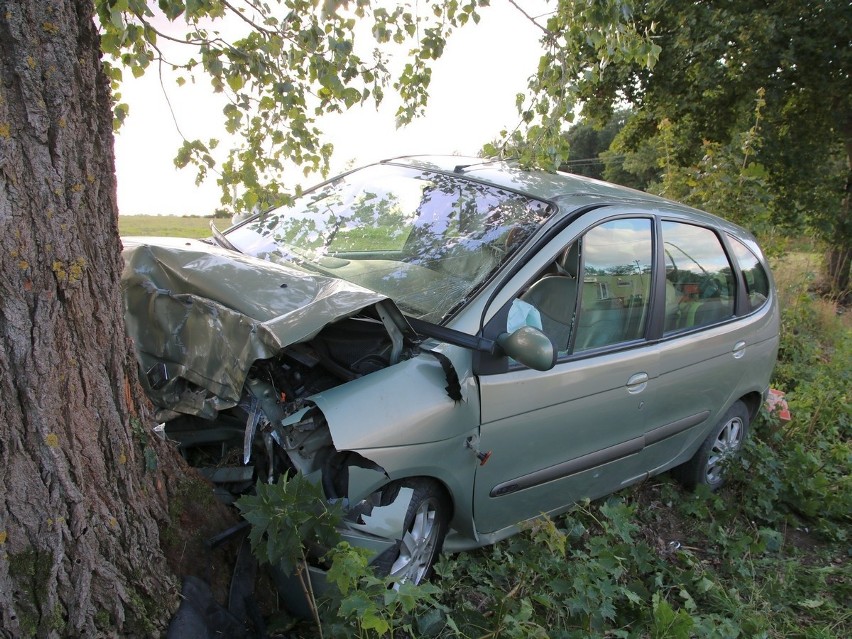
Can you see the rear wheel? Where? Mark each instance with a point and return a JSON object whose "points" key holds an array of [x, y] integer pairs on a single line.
{"points": [[425, 528], [723, 443]]}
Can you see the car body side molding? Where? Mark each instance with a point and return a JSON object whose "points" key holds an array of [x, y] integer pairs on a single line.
{"points": [[570, 467], [599, 457], [669, 430]]}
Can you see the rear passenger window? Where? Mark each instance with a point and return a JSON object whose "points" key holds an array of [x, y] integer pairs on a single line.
{"points": [[616, 283], [756, 280], [699, 279]]}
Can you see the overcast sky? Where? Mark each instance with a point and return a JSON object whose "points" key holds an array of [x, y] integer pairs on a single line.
{"points": [[471, 99]]}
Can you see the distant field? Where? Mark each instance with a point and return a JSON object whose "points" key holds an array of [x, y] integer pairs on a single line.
{"points": [[168, 225]]}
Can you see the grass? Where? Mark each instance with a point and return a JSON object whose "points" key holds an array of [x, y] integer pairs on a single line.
{"points": [[168, 225]]}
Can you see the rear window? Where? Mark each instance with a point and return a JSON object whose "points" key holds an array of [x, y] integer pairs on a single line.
{"points": [[700, 287], [756, 280]]}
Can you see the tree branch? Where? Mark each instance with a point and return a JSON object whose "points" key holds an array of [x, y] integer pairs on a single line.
{"points": [[248, 21], [530, 18]]}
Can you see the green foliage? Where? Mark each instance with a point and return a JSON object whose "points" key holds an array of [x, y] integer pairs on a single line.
{"points": [[581, 40], [803, 467], [289, 517], [669, 623], [372, 605], [285, 517], [291, 61], [715, 57], [727, 180], [581, 575], [587, 143]]}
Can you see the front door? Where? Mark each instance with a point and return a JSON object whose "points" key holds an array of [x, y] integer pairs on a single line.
{"points": [[577, 430]]}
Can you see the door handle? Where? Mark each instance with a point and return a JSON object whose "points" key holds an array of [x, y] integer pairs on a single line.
{"points": [[739, 349], [637, 383]]}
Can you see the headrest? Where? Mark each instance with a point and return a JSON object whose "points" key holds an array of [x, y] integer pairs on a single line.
{"points": [[568, 263]]}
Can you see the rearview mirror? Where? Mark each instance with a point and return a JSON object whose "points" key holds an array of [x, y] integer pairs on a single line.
{"points": [[530, 347]]}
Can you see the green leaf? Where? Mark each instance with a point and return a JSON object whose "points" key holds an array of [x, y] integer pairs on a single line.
{"points": [[371, 621], [236, 81]]}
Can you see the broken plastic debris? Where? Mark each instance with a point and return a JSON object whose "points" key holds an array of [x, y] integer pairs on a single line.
{"points": [[777, 405], [387, 521]]}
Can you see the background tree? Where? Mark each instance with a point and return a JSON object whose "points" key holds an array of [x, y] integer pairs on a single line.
{"points": [[588, 146], [714, 58]]}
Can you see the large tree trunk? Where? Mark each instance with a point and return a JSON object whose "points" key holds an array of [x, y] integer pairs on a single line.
{"points": [[82, 487]]}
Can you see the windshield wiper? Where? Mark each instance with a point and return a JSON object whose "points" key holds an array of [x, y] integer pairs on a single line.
{"points": [[221, 240]]}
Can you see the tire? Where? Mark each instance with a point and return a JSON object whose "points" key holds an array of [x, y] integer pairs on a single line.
{"points": [[722, 445], [426, 522]]}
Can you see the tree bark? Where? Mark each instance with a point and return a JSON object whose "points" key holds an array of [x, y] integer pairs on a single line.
{"points": [[80, 497], [839, 254]]}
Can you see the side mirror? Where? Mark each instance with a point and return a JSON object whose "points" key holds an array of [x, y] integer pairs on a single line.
{"points": [[530, 347]]}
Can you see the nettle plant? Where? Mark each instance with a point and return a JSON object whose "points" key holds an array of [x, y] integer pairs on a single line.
{"points": [[291, 515]]}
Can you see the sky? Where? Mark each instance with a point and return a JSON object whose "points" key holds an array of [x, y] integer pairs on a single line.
{"points": [[472, 97]]}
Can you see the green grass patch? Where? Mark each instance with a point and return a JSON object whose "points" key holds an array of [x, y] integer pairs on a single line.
{"points": [[167, 225]]}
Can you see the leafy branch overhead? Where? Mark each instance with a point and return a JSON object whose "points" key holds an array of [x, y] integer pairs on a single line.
{"points": [[284, 63], [581, 40], [280, 64]]}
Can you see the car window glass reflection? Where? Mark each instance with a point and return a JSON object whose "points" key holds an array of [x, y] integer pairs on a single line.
{"points": [[614, 287], [699, 280], [427, 240], [617, 259], [756, 280]]}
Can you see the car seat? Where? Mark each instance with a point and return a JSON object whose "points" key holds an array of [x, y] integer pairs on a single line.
{"points": [[555, 298]]}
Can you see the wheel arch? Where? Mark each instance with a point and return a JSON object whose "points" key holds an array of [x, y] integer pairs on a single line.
{"points": [[753, 401], [451, 502]]}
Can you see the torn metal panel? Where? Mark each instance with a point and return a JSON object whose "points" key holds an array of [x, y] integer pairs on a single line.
{"points": [[196, 330], [414, 404], [386, 521], [305, 438], [364, 481]]}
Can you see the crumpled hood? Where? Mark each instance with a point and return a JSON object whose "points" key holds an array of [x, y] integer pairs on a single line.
{"points": [[204, 314]]}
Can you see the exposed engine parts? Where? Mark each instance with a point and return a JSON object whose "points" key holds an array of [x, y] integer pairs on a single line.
{"points": [[274, 428]]}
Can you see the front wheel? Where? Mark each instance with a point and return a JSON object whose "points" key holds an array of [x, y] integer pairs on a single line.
{"points": [[425, 528], [723, 443]]}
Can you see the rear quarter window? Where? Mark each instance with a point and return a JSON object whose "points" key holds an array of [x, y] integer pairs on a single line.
{"points": [[700, 285], [754, 275]]}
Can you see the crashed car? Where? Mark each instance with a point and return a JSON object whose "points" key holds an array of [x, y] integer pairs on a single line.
{"points": [[453, 346]]}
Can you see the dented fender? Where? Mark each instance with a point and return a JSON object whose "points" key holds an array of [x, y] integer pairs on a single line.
{"points": [[401, 405]]}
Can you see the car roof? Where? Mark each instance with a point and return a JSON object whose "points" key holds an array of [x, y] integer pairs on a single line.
{"points": [[567, 190], [540, 184]]}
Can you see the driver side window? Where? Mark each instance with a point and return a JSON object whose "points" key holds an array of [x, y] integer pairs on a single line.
{"points": [[617, 260], [548, 304], [609, 269]]}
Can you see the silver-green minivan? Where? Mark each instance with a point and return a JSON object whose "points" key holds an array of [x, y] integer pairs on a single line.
{"points": [[452, 346]]}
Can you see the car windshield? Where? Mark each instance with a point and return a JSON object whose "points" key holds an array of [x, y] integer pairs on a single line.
{"points": [[427, 240]]}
